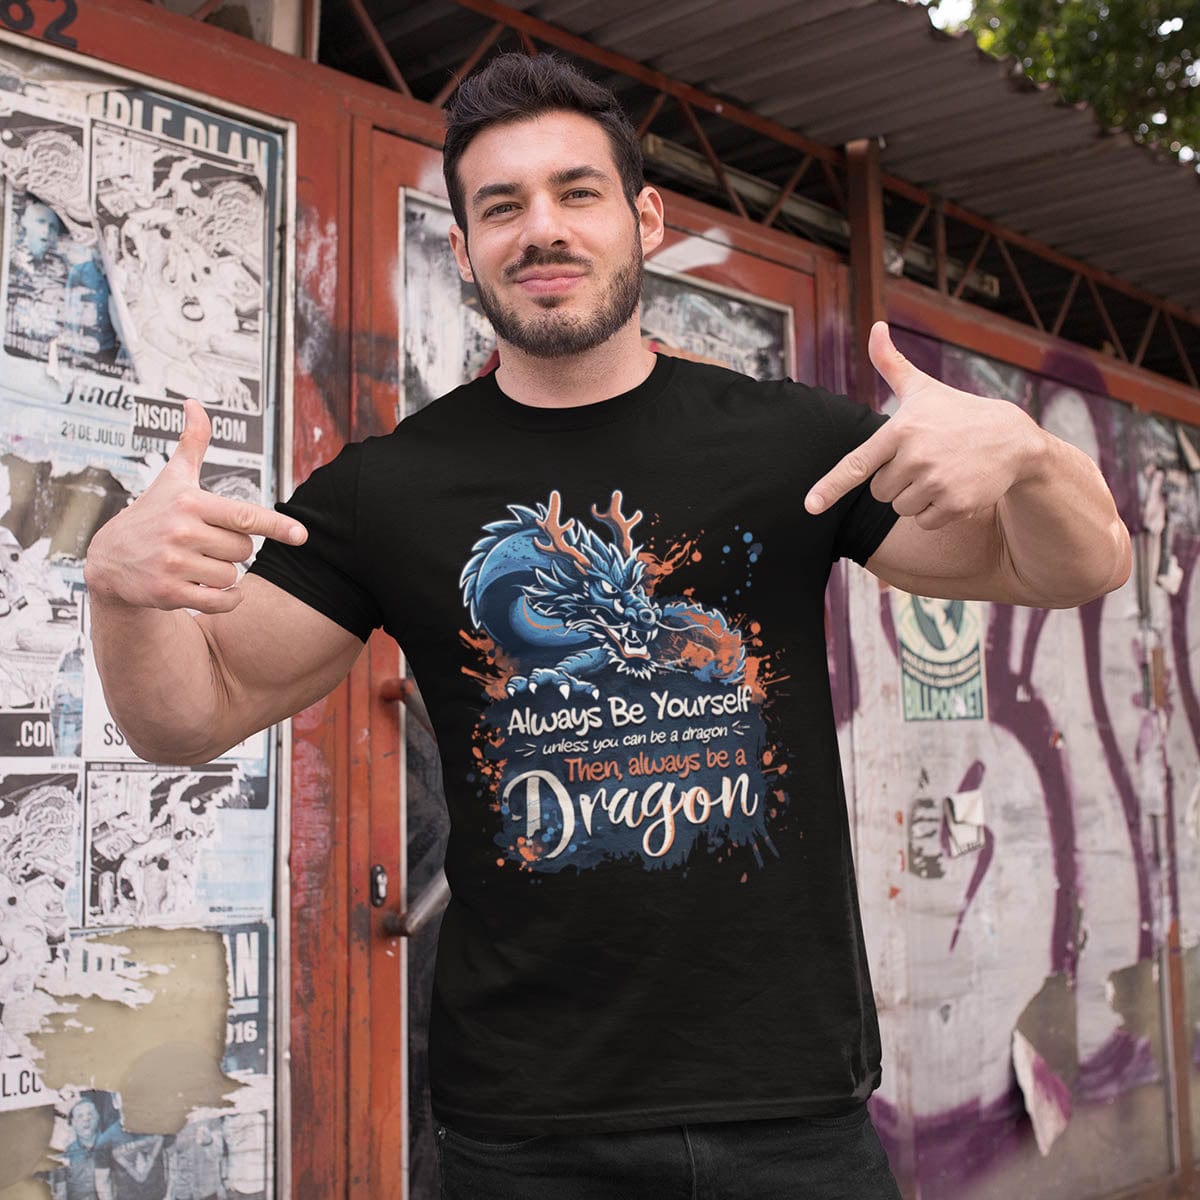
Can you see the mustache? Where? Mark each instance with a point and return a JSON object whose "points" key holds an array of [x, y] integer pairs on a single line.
{"points": [[535, 257]]}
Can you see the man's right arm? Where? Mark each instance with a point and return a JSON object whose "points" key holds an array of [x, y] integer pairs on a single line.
{"points": [[184, 688]]}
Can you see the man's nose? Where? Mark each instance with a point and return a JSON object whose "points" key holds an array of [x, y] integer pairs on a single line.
{"points": [[544, 225]]}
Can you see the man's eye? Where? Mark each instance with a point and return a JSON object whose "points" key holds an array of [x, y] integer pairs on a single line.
{"points": [[497, 210], [580, 194]]}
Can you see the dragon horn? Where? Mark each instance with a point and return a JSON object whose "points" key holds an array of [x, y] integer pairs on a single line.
{"points": [[621, 525], [556, 530]]}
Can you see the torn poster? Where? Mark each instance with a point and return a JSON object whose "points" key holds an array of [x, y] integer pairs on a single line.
{"points": [[1047, 1098], [175, 846], [962, 817], [184, 239], [249, 1029], [941, 657], [40, 868], [62, 352]]}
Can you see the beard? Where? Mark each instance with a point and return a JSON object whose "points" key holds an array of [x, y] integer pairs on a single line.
{"points": [[554, 334]]}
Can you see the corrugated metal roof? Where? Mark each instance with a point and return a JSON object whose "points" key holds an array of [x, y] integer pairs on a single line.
{"points": [[953, 120]]}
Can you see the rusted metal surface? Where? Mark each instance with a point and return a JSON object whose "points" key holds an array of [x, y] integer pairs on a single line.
{"points": [[828, 73], [469, 63], [969, 327], [974, 130], [866, 257], [713, 160], [379, 46]]}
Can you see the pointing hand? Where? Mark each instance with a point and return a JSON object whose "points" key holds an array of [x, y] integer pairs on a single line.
{"points": [[176, 545], [945, 456]]}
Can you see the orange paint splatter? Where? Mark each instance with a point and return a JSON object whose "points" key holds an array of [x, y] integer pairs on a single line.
{"points": [[893, 892], [494, 682], [659, 566]]}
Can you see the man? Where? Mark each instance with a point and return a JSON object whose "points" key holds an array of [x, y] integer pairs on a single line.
{"points": [[77, 1180], [651, 979], [37, 282]]}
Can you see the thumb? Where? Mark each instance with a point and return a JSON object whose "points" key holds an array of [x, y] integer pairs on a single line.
{"points": [[899, 374], [193, 441]]}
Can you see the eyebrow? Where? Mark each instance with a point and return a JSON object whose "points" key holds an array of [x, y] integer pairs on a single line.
{"points": [[559, 179]]}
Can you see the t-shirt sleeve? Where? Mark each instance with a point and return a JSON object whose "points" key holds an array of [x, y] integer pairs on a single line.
{"points": [[862, 521], [330, 572]]}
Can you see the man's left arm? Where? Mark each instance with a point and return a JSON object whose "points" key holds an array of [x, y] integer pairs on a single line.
{"points": [[991, 506]]}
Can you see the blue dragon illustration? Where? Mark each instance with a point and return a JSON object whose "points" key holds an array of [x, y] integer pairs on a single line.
{"points": [[565, 605]]}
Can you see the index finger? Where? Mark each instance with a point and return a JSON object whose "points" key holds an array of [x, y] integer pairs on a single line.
{"points": [[244, 517], [857, 467]]}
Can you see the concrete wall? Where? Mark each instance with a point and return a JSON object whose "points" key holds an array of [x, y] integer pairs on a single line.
{"points": [[1026, 830]]}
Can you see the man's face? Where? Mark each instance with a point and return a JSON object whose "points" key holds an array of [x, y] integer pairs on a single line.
{"points": [[554, 248], [39, 227], [85, 1120]]}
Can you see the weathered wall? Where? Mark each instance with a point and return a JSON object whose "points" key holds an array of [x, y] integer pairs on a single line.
{"points": [[138, 265], [1026, 832]]}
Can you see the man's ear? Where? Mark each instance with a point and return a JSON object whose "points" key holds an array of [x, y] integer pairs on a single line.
{"points": [[651, 222], [458, 243]]}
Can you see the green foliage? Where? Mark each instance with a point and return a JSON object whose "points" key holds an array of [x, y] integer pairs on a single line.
{"points": [[1134, 61]]}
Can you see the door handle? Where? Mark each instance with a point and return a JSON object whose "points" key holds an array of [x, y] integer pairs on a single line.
{"points": [[427, 905], [399, 690]]}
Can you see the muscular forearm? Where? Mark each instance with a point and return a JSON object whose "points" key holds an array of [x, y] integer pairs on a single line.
{"points": [[1062, 536], [160, 681]]}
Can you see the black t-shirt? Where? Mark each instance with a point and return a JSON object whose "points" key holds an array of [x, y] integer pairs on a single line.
{"points": [[615, 614]]}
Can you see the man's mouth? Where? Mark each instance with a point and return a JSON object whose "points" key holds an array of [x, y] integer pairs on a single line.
{"points": [[548, 282]]}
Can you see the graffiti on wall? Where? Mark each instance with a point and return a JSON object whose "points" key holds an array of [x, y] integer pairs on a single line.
{"points": [[1014, 869], [138, 267]]}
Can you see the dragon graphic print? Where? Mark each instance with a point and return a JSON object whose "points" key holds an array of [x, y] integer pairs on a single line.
{"points": [[621, 723]]}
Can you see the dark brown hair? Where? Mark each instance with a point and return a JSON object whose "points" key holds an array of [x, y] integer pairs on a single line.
{"points": [[518, 87]]}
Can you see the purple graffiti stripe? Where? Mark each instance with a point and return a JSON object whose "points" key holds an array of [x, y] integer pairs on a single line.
{"points": [[959, 1145], [973, 777], [1051, 1087], [1125, 1061], [886, 622], [1029, 722], [981, 867], [1089, 616]]}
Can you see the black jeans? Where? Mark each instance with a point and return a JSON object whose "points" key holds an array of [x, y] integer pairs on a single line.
{"points": [[792, 1158]]}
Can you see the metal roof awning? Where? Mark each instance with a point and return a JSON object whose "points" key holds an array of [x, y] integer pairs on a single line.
{"points": [[960, 125]]}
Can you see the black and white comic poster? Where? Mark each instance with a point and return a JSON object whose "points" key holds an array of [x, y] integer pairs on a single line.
{"points": [[41, 850], [182, 201], [176, 845], [250, 962], [64, 360]]}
